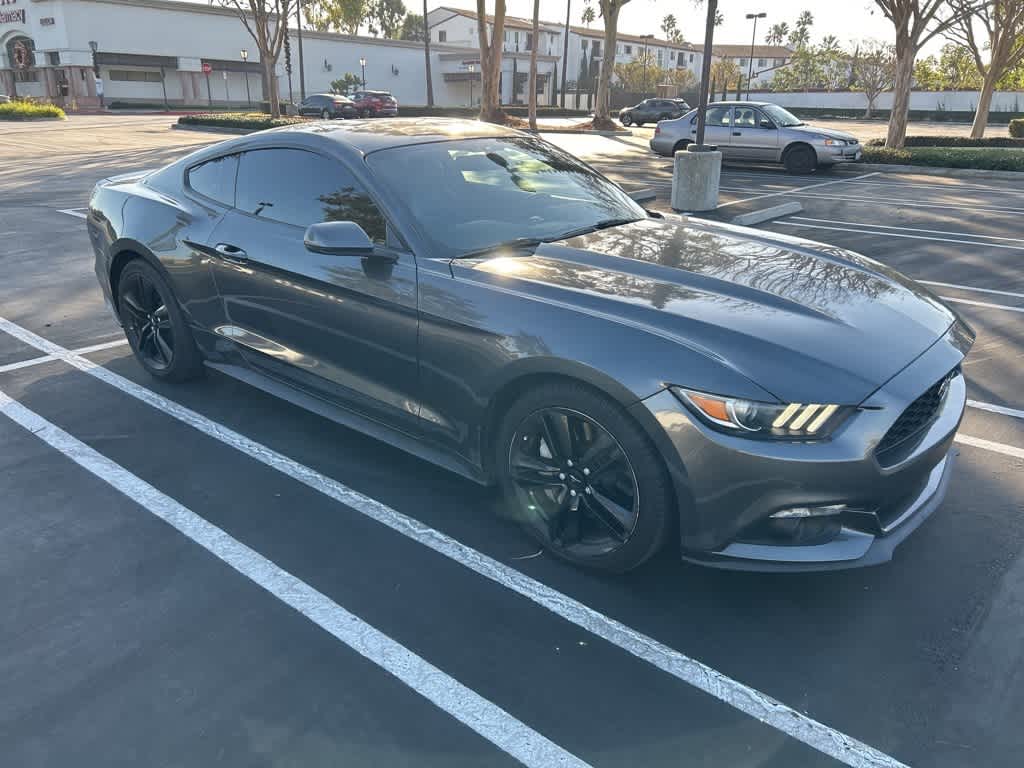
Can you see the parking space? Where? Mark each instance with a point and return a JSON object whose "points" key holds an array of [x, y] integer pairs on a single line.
{"points": [[200, 573]]}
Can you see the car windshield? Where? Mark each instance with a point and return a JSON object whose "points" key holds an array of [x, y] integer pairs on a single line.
{"points": [[781, 117], [472, 194]]}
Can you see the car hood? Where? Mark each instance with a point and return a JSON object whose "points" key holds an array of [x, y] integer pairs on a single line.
{"points": [[813, 130], [805, 321]]}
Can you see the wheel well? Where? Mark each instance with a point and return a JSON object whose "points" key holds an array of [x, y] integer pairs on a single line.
{"points": [[680, 145], [117, 267], [795, 145]]}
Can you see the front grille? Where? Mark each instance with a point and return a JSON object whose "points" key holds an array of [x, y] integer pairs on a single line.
{"points": [[918, 415]]}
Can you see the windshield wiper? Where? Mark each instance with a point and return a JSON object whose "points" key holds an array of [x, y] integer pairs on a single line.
{"points": [[603, 224], [519, 243]]}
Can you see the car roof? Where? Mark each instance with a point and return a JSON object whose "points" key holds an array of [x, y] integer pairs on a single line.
{"points": [[739, 104], [370, 135]]}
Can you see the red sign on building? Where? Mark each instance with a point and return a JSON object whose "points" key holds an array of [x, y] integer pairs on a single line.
{"points": [[207, 68]]}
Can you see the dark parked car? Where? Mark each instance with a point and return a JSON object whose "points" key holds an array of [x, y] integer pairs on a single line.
{"points": [[652, 110], [328, 106], [375, 104], [480, 298]]}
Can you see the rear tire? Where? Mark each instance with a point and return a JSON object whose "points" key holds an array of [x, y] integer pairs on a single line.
{"points": [[365, 114], [155, 325], [680, 147], [600, 497], [626, 120], [801, 159]]}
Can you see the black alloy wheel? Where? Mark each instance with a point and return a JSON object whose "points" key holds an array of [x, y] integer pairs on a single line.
{"points": [[154, 325], [625, 119], [577, 472]]}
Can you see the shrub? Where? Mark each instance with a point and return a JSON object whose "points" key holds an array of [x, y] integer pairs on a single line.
{"points": [[955, 141], [980, 158], [26, 110], [1017, 128], [252, 121]]}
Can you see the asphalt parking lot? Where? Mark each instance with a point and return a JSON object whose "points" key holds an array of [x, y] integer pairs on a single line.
{"points": [[199, 574]]}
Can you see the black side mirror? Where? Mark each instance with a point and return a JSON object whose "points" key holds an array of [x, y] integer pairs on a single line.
{"points": [[766, 124], [338, 238]]}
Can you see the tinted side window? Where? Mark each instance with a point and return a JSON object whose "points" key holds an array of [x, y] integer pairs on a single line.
{"points": [[302, 188], [215, 179]]}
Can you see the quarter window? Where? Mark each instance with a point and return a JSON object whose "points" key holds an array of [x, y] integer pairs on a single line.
{"points": [[301, 188], [215, 179]]}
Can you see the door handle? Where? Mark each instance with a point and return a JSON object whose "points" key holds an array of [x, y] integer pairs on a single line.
{"points": [[693, 130], [230, 252], [737, 133]]}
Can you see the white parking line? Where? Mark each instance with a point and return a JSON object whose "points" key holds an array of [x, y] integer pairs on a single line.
{"points": [[77, 212], [972, 288], [904, 203], [50, 358], [902, 228], [985, 304], [1000, 409], [1007, 450], [448, 694], [880, 233], [764, 708], [798, 190]]}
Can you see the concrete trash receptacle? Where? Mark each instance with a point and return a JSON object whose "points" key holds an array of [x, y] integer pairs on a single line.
{"points": [[695, 180]]}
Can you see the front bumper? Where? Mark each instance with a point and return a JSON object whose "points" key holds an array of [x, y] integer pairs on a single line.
{"points": [[729, 487], [851, 153]]}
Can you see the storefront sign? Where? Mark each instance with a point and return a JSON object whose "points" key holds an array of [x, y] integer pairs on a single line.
{"points": [[12, 17]]}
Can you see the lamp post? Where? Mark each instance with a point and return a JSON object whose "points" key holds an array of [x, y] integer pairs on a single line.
{"points": [[645, 38], [362, 63], [753, 38], [472, 71], [94, 47], [245, 59]]}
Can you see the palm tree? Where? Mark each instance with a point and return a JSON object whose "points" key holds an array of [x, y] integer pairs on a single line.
{"points": [[588, 16]]}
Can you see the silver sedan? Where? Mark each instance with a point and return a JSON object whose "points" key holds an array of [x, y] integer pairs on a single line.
{"points": [[759, 132]]}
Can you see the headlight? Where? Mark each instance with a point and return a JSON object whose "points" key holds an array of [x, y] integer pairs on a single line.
{"points": [[783, 421], [834, 142]]}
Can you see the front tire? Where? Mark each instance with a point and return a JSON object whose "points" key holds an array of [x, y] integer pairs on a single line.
{"points": [[801, 160], [325, 115], [366, 114], [154, 324], [626, 120], [582, 478]]}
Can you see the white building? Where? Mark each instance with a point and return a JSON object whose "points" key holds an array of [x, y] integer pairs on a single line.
{"points": [[174, 53], [767, 60], [458, 26]]}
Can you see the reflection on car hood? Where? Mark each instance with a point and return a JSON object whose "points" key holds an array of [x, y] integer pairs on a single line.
{"points": [[806, 321], [828, 132]]}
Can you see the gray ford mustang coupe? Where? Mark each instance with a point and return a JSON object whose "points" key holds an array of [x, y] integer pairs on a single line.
{"points": [[482, 299]]}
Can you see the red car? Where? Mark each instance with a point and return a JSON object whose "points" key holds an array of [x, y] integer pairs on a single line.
{"points": [[375, 104]]}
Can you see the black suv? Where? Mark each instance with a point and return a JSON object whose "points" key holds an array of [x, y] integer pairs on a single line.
{"points": [[653, 110], [328, 106]]}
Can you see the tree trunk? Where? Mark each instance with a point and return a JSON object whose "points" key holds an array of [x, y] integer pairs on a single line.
{"points": [[533, 65], [271, 93], [984, 104], [870, 107], [490, 62], [901, 97], [602, 110], [426, 56]]}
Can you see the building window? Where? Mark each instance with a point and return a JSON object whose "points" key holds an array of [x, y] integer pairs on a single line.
{"points": [[583, 44], [671, 56], [442, 36], [691, 58], [53, 58], [618, 49], [762, 62], [629, 50], [134, 76], [743, 62], [26, 75], [780, 62], [596, 47]]}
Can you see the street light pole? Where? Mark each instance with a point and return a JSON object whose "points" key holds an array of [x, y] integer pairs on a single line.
{"points": [[302, 69], [362, 63], [705, 73], [753, 38], [245, 58], [565, 50]]}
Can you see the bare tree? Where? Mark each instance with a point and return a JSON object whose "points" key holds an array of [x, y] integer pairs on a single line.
{"points": [[266, 22], [534, 45], [1001, 34], [874, 71], [609, 10], [490, 60], [915, 22]]}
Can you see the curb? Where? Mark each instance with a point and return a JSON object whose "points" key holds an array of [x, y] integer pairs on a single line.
{"points": [[766, 214], [932, 170], [586, 133], [213, 129]]}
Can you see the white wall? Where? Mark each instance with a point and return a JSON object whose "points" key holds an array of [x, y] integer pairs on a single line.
{"points": [[953, 101]]}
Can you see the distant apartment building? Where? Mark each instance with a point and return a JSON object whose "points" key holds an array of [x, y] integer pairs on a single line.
{"points": [[767, 60]]}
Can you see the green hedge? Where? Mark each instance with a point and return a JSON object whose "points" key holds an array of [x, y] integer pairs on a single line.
{"points": [[1017, 128], [955, 141], [981, 158], [931, 115], [27, 110], [253, 121]]}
